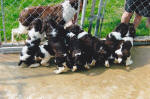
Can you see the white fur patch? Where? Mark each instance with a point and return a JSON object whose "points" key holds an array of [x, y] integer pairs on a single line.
{"points": [[117, 35], [119, 60], [24, 53], [77, 54], [35, 35], [107, 63], [68, 11], [70, 34], [45, 42], [54, 33], [116, 61], [47, 56], [60, 70], [44, 51], [128, 39], [87, 66], [27, 8], [93, 62], [128, 33], [129, 61], [101, 48], [74, 68], [119, 52], [65, 54], [111, 57], [82, 34]]}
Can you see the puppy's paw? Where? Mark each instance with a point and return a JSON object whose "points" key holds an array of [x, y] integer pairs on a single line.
{"points": [[129, 62], [87, 66], [107, 64], [74, 68], [119, 60], [45, 64], [116, 61], [34, 65], [59, 70], [93, 63]]}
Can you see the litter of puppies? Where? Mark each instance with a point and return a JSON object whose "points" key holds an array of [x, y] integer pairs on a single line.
{"points": [[72, 47]]}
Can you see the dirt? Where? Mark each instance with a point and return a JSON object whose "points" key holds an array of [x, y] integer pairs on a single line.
{"points": [[116, 82]]}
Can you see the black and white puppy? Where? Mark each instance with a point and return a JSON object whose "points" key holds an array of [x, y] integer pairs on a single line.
{"points": [[77, 55], [114, 39], [123, 54], [32, 43], [87, 42], [27, 55], [56, 36], [104, 52], [35, 32], [44, 53]]}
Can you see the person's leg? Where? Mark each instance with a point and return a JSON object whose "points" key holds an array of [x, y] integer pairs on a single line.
{"points": [[137, 20], [126, 16], [148, 22]]}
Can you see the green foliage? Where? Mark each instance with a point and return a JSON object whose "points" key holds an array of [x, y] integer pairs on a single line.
{"points": [[114, 10]]}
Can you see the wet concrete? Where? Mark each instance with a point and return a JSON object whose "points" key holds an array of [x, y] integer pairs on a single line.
{"points": [[98, 83]]}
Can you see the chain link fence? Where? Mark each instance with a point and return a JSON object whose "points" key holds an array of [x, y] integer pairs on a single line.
{"points": [[10, 10], [142, 7], [98, 17]]}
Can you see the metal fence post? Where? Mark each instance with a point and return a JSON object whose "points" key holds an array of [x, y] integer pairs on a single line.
{"points": [[0, 37], [91, 16], [98, 17], [83, 12], [3, 19], [102, 19], [79, 1]]}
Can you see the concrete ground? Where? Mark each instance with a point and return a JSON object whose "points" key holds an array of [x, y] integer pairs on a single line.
{"points": [[98, 83]]}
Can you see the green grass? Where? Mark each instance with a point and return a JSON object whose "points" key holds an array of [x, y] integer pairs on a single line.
{"points": [[114, 10]]}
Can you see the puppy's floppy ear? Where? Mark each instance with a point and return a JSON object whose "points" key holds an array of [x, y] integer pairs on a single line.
{"points": [[53, 22], [122, 28], [38, 24]]}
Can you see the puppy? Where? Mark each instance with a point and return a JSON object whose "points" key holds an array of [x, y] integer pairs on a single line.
{"points": [[114, 39], [88, 44], [123, 54], [77, 55], [56, 39], [56, 35], [44, 53], [32, 43], [63, 13], [27, 55]]}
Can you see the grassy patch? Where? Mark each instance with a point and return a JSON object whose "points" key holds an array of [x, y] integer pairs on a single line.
{"points": [[114, 10]]}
